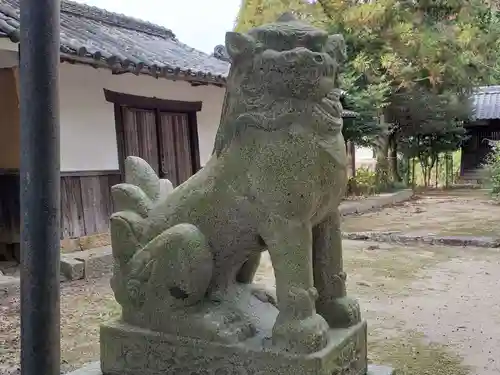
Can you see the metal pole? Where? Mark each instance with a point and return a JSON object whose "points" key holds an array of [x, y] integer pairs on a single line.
{"points": [[40, 187]]}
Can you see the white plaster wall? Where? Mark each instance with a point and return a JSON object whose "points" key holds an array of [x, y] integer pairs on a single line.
{"points": [[7, 45], [364, 152], [88, 139], [8, 59]]}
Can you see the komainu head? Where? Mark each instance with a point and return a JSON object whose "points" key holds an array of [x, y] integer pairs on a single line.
{"points": [[277, 71], [285, 59]]}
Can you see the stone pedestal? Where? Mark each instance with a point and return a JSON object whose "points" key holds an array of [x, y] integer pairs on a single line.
{"points": [[95, 369], [127, 350]]}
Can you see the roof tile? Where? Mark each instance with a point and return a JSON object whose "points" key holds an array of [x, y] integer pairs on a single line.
{"points": [[486, 103], [122, 43]]}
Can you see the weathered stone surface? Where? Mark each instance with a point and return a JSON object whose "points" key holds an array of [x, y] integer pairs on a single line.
{"points": [[274, 182], [95, 369], [71, 268], [92, 263], [128, 350], [98, 262]]}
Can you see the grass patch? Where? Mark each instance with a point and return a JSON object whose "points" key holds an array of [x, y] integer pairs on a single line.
{"points": [[388, 268], [411, 354]]}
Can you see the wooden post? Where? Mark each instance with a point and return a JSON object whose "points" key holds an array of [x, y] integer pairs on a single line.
{"points": [[15, 72]]}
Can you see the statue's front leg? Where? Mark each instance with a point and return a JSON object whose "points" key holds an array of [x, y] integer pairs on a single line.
{"points": [[298, 328], [329, 276], [249, 269]]}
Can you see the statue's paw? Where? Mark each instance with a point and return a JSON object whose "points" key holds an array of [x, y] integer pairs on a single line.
{"points": [[340, 312], [304, 336], [223, 324], [264, 294]]}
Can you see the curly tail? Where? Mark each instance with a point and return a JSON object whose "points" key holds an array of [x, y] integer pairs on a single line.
{"points": [[133, 201]]}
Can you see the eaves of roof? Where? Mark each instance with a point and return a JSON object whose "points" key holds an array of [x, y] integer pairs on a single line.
{"points": [[99, 38]]}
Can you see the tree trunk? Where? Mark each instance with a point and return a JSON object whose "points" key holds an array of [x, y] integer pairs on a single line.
{"points": [[393, 160], [382, 166]]}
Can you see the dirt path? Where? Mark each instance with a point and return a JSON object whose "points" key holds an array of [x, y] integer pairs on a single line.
{"points": [[431, 310], [441, 303], [452, 213]]}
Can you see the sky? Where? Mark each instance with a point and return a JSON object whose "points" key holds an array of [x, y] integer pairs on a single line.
{"points": [[201, 24]]}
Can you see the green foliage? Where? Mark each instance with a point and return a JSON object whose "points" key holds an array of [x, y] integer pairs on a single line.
{"points": [[444, 174], [412, 65], [254, 13], [367, 101], [427, 124], [364, 183], [492, 168]]}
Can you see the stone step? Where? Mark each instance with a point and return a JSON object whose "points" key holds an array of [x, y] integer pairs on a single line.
{"points": [[87, 264]]}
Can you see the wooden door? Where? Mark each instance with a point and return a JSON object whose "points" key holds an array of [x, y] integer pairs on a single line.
{"points": [[140, 136], [176, 148]]}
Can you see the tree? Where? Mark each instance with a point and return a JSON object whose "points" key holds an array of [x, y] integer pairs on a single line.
{"points": [[364, 100], [428, 124], [438, 46], [402, 49], [367, 101], [254, 13]]}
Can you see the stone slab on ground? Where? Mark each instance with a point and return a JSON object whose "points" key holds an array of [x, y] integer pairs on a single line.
{"points": [[408, 238], [373, 203], [88, 264], [98, 261], [129, 350], [72, 268]]}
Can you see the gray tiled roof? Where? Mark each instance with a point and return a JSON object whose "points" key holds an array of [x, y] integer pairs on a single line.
{"points": [[486, 103], [98, 37]]}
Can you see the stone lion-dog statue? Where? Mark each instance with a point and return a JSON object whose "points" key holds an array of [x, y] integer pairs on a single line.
{"points": [[186, 257]]}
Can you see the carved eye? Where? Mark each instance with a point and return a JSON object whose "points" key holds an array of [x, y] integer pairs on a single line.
{"points": [[318, 58]]}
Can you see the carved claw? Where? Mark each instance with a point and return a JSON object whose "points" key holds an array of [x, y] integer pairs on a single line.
{"points": [[340, 312]]}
